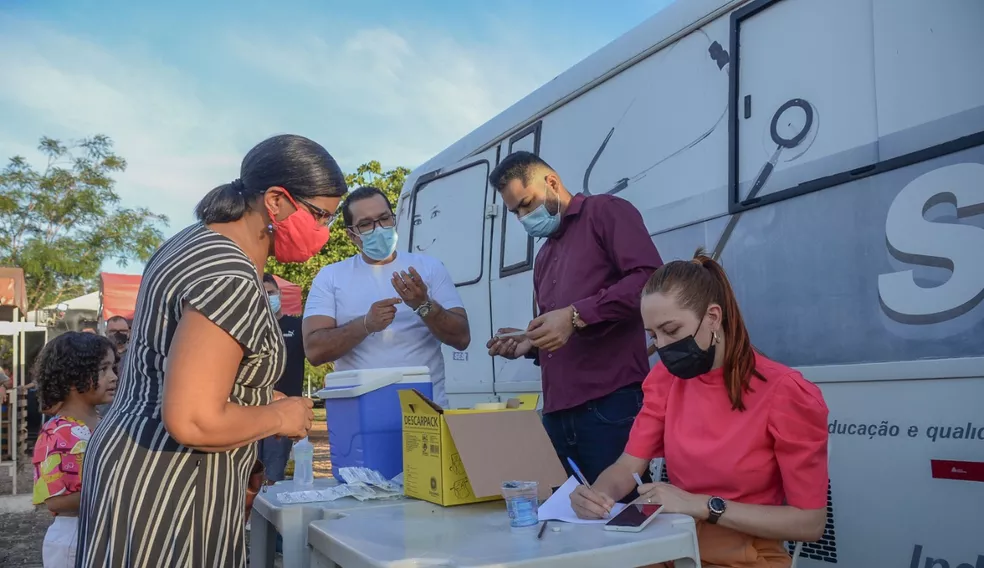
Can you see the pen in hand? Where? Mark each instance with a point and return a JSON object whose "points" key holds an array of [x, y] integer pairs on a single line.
{"points": [[578, 474], [581, 478]]}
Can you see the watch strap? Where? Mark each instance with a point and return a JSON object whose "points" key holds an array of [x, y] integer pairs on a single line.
{"points": [[714, 513], [424, 309], [576, 321]]}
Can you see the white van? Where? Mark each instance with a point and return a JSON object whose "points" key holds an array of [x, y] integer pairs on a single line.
{"points": [[831, 152]]}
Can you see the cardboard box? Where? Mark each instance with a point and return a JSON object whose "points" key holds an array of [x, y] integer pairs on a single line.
{"points": [[456, 457]]}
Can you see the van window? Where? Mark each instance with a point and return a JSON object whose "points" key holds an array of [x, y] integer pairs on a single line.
{"points": [[807, 110], [864, 88], [448, 220], [517, 246]]}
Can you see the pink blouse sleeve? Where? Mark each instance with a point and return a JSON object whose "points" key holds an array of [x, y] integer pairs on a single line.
{"points": [[646, 437], [798, 425]]}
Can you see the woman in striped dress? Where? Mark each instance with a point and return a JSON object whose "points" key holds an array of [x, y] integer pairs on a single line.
{"points": [[166, 470]]}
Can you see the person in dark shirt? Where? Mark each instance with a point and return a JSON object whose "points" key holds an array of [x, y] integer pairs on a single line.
{"points": [[274, 451], [588, 338]]}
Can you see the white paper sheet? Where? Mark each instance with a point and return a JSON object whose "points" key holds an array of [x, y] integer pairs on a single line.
{"points": [[558, 507]]}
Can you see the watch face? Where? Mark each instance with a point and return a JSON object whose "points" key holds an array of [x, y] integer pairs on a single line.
{"points": [[716, 504], [423, 310]]}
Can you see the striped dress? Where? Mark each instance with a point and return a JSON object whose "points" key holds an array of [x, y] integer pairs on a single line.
{"points": [[146, 499]]}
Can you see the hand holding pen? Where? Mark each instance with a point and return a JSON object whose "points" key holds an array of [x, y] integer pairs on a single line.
{"points": [[586, 502]]}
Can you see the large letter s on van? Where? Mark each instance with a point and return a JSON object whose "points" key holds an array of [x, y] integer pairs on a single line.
{"points": [[913, 239]]}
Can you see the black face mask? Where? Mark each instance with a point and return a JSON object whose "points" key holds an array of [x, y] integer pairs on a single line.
{"points": [[120, 338], [685, 359]]}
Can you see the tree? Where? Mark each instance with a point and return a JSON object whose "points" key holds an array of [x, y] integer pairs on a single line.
{"points": [[340, 246], [61, 223]]}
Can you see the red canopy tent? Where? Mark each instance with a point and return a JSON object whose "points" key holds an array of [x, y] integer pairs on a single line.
{"points": [[290, 297], [118, 294], [13, 291]]}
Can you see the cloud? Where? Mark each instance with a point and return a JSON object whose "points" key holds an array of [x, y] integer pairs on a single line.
{"points": [[177, 147], [398, 96], [394, 95]]}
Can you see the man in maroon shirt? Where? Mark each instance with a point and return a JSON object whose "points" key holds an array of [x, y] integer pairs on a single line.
{"points": [[588, 340]]}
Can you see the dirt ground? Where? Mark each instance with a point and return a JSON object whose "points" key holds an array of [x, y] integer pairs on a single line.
{"points": [[21, 534], [319, 439]]}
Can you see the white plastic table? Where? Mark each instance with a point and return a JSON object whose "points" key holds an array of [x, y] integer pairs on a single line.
{"points": [[421, 534], [270, 517]]}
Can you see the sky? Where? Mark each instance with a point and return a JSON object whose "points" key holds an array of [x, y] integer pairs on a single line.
{"points": [[186, 88]]}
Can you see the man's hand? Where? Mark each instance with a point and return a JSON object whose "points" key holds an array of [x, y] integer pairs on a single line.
{"points": [[381, 314], [551, 330], [509, 347], [411, 288]]}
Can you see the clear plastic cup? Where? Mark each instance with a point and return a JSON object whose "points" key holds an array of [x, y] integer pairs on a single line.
{"points": [[521, 503]]}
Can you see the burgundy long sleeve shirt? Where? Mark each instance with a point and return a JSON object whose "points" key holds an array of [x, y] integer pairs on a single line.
{"points": [[598, 261]]}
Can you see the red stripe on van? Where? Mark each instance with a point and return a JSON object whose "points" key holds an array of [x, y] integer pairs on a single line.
{"points": [[959, 470]]}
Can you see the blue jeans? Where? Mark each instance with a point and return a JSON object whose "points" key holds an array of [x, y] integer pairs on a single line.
{"points": [[594, 434], [274, 452]]}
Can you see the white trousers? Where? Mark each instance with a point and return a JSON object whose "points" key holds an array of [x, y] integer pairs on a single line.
{"points": [[58, 550]]}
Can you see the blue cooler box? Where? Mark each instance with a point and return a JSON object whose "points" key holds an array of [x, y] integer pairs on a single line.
{"points": [[365, 426]]}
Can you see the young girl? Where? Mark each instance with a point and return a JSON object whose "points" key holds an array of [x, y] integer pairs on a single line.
{"points": [[74, 374]]}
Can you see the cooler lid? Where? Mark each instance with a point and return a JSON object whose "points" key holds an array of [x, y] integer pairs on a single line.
{"points": [[410, 374], [356, 382]]}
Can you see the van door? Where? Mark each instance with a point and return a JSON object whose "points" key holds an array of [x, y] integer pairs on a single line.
{"points": [[512, 280], [448, 210], [806, 110]]}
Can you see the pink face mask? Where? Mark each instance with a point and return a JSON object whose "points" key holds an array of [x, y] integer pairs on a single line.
{"points": [[298, 237]]}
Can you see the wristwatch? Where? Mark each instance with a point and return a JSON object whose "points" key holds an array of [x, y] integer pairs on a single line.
{"points": [[424, 309], [576, 319], [715, 507]]}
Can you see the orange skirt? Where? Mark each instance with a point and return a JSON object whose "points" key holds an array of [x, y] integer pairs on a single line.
{"points": [[724, 548]]}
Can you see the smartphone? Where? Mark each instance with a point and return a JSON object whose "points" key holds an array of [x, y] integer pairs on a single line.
{"points": [[634, 517], [515, 334]]}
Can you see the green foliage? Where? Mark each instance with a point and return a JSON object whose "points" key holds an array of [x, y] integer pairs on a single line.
{"points": [[61, 223], [340, 246]]}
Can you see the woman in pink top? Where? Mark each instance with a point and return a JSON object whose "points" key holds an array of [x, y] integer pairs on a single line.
{"points": [[744, 438]]}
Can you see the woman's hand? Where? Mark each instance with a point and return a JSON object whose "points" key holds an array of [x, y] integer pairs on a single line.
{"points": [[589, 504], [296, 416], [674, 499]]}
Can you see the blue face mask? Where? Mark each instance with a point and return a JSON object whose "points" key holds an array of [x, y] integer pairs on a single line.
{"points": [[275, 303], [379, 244], [540, 222]]}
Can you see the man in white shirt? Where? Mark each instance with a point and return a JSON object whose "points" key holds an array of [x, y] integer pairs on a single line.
{"points": [[382, 308]]}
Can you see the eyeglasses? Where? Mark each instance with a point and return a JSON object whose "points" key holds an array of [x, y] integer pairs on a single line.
{"points": [[326, 218], [366, 226]]}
